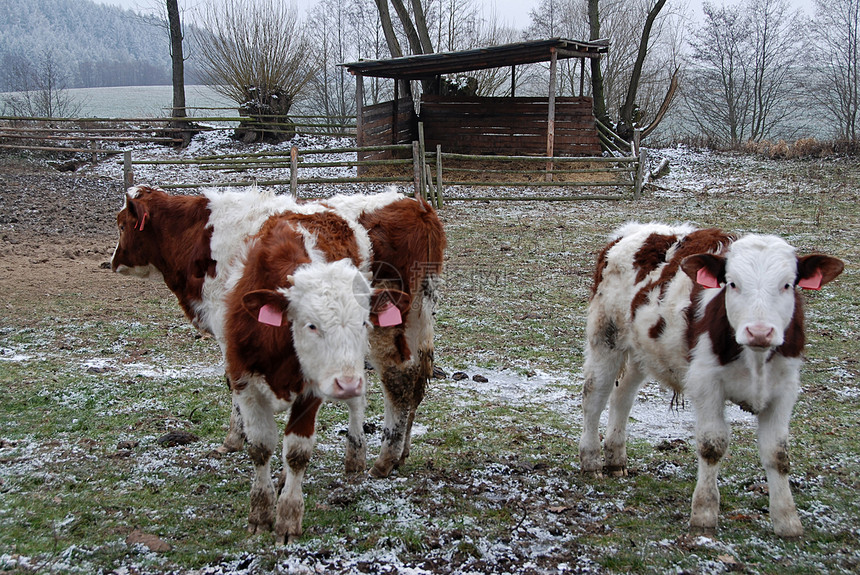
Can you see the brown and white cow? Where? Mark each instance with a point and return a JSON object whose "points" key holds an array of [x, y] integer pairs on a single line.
{"points": [[715, 317], [193, 244], [297, 327]]}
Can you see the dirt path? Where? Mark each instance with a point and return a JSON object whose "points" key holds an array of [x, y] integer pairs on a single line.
{"points": [[57, 234]]}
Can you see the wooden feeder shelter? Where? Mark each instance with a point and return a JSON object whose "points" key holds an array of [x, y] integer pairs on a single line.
{"points": [[551, 126]]}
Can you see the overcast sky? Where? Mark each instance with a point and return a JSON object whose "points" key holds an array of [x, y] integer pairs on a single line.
{"points": [[513, 12]]}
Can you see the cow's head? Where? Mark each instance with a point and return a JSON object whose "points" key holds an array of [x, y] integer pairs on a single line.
{"points": [[759, 275], [132, 255], [329, 307]]}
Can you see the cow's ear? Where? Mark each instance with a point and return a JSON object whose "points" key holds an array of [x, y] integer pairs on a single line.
{"points": [[815, 270], [388, 307], [266, 306], [707, 270], [138, 210]]}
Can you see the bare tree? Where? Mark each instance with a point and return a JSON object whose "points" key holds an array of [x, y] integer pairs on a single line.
{"points": [[719, 88], [636, 80], [836, 47], [775, 55], [743, 79], [38, 90], [256, 53]]}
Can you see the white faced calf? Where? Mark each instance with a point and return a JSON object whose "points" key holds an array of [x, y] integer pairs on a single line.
{"points": [[297, 334], [710, 316]]}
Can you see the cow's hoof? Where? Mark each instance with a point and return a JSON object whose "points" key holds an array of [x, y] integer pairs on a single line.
{"points": [[790, 531], [355, 466], [616, 471], [228, 448], [592, 473], [287, 539], [381, 471], [710, 532], [255, 528]]}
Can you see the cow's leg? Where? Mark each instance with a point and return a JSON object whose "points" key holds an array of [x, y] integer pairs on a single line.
{"points": [[356, 445], [399, 383], [773, 450], [403, 357], [601, 368], [620, 403], [261, 432], [235, 439], [299, 439], [712, 443]]}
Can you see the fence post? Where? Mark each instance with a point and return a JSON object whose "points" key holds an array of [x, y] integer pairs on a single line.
{"points": [[426, 187], [438, 175], [637, 137], [294, 169], [127, 174], [640, 173], [416, 171]]}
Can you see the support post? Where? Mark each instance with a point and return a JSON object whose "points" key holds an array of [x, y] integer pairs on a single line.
{"points": [[513, 81], [640, 174], [438, 175], [426, 190], [581, 77], [127, 174], [637, 137], [416, 171], [395, 106], [359, 119], [550, 124], [294, 171]]}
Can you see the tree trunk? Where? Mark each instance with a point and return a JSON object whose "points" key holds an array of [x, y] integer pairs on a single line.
{"points": [[178, 73], [391, 38], [626, 121], [599, 99]]}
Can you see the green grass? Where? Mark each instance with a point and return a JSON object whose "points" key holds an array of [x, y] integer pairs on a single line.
{"points": [[493, 482]]}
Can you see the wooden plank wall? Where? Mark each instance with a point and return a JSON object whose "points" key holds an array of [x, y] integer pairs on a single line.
{"points": [[382, 126], [508, 126]]}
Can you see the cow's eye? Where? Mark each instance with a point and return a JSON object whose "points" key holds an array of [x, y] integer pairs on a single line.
{"points": [[732, 285], [311, 327], [786, 287]]}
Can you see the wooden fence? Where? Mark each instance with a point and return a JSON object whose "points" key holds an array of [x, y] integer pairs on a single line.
{"points": [[294, 160], [428, 173], [100, 136]]}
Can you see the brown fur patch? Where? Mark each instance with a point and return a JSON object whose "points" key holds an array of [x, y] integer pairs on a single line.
{"points": [[601, 265], [303, 415], [657, 329], [795, 334], [715, 323], [700, 241], [651, 254]]}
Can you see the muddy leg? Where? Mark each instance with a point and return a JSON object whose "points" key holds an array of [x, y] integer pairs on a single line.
{"points": [[299, 440], [262, 435], [356, 445]]}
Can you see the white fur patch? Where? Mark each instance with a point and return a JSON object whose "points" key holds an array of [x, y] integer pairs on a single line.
{"points": [[330, 311]]}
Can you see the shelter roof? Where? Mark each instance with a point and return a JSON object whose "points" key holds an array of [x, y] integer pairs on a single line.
{"points": [[430, 65]]}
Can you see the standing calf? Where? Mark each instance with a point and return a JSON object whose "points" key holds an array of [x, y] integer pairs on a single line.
{"points": [[714, 317]]}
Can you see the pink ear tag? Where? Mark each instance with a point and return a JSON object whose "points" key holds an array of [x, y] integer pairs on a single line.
{"points": [[270, 315], [389, 316], [706, 279], [812, 283]]}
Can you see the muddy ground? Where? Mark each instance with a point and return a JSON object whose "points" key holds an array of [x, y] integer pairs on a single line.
{"points": [[57, 234]]}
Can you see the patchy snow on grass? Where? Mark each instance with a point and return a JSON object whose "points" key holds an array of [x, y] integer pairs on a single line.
{"points": [[652, 418]]}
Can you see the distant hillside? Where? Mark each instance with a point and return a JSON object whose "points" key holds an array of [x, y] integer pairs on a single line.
{"points": [[91, 44]]}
